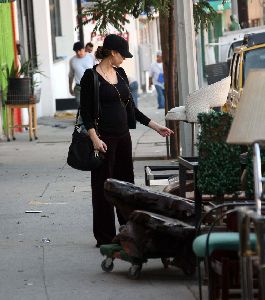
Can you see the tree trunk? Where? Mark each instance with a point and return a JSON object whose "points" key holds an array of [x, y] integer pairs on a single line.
{"points": [[168, 45]]}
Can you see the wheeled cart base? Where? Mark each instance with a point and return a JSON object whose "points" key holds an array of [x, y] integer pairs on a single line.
{"points": [[112, 251]]}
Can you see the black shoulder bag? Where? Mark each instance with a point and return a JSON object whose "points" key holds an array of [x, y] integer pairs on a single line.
{"points": [[82, 155]]}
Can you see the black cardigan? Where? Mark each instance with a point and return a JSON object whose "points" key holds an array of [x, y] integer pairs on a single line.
{"points": [[87, 96]]}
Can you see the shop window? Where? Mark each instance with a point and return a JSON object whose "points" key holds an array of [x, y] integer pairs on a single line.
{"points": [[56, 28]]}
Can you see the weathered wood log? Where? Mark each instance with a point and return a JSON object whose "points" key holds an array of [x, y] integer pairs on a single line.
{"points": [[149, 235], [128, 197]]}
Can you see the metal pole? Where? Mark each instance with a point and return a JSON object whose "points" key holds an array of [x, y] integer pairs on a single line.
{"points": [[257, 176]]}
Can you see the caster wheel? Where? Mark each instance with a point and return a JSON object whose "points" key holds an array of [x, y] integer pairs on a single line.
{"points": [[135, 272], [107, 265]]}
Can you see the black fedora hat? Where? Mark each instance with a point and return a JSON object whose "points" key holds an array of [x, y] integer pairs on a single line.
{"points": [[118, 43]]}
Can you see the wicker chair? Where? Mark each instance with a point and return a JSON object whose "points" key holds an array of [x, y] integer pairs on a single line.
{"points": [[199, 101]]}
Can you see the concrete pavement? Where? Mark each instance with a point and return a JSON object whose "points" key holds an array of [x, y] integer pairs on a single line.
{"points": [[46, 244]]}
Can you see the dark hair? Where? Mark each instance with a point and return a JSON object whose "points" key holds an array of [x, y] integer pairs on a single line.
{"points": [[89, 44], [102, 53], [78, 46]]}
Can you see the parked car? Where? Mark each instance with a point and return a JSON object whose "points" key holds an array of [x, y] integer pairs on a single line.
{"points": [[232, 39], [250, 55]]}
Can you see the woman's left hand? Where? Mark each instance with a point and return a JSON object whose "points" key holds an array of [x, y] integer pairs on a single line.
{"points": [[162, 130]]}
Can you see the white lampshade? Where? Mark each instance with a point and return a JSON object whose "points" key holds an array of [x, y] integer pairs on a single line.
{"points": [[248, 125]]}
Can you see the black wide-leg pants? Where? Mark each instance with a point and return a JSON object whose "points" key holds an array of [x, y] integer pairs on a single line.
{"points": [[118, 165]]}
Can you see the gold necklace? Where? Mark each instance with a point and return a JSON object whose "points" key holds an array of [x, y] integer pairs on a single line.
{"points": [[107, 79]]}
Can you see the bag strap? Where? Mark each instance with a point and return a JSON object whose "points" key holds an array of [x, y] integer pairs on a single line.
{"points": [[96, 95], [96, 99]]}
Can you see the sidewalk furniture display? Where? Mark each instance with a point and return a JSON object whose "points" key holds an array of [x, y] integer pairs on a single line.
{"points": [[219, 250], [159, 225], [20, 96], [199, 101], [247, 129]]}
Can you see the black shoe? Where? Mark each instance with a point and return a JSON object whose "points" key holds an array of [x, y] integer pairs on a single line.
{"points": [[100, 244]]}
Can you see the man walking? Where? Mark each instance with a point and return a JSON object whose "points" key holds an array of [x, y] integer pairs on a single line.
{"points": [[78, 64], [157, 78]]}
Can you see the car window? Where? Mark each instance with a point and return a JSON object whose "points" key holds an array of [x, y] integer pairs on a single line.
{"points": [[237, 72], [254, 59]]}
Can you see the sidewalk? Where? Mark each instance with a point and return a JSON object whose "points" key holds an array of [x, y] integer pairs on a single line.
{"points": [[46, 244]]}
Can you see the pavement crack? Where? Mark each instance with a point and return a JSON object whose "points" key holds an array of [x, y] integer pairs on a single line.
{"points": [[48, 184], [45, 189], [43, 274], [59, 174]]}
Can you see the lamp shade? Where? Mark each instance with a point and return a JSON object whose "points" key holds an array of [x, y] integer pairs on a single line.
{"points": [[248, 125]]}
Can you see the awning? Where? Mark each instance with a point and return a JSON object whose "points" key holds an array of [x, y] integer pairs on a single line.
{"points": [[219, 6]]}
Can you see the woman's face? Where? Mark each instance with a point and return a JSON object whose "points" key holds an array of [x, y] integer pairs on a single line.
{"points": [[116, 58]]}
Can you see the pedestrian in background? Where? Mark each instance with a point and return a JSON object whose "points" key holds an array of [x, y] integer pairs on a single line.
{"points": [[157, 79], [113, 136], [134, 87], [234, 25], [77, 66], [89, 47]]}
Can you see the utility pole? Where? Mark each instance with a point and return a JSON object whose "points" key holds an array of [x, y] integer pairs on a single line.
{"points": [[186, 63]]}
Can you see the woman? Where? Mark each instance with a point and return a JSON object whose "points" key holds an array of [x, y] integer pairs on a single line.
{"points": [[113, 137]]}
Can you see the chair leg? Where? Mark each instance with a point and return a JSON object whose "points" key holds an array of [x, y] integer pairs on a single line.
{"points": [[30, 122], [213, 288], [198, 262], [225, 279], [12, 112], [8, 120], [34, 121]]}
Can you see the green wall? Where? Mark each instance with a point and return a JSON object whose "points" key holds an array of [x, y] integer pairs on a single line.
{"points": [[6, 46]]}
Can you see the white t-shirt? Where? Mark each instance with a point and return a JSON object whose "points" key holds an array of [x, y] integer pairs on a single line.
{"points": [[156, 72], [78, 65]]}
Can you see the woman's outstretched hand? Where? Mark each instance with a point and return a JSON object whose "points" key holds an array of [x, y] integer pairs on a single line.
{"points": [[162, 130]]}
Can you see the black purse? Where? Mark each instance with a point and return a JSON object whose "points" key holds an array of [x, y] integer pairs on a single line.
{"points": [[82, 155]]}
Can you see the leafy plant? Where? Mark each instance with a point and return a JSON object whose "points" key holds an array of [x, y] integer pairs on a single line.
{"points": [[219, 163], [113, 13]]}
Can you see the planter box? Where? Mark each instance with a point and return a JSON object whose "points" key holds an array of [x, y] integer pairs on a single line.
{"points": [[20, 91]]}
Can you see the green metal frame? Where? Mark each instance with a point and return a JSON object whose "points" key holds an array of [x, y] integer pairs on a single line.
{"points": [[6, 50]]}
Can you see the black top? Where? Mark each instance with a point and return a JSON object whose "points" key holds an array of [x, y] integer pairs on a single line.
{"points": [[113, 115]]}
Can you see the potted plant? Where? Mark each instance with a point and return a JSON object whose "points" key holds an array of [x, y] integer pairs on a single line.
{"points": [[22, 84]]}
